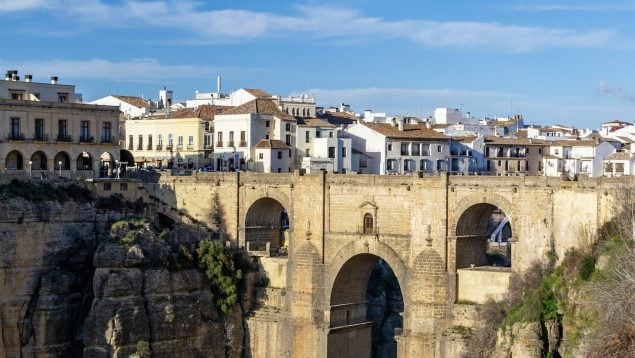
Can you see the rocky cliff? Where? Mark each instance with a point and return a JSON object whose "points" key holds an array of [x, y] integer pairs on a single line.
{"points": [[68, 288]]}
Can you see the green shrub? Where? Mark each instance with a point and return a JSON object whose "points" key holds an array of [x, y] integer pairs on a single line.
{"points": [[216, 261], [587, 267], [143, 349]]}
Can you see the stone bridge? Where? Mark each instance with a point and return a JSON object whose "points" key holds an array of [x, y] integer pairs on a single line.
{"points": [[318, 237]]}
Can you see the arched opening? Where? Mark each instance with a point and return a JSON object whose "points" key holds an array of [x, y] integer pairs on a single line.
{"points": [[482, 235], [106, 164], [368, 224], [127, 157], [63, 160], [84, 161], [267, 227], [14, 160], [38, 161], [366, 307]]}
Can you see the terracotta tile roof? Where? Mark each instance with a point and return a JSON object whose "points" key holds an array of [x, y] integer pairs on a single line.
{"points": [[339, 118], [271, 144], [619, 156], [414, 131], [203, 112], [514, 141], [135, 101], [258, 93], [574, 143], [261, 106], [468, 139], [314, 122]]}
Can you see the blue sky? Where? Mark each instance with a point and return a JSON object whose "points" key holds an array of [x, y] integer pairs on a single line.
{"points": [[567, 62]]}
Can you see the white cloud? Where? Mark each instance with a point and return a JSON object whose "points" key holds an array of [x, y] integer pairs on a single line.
{"points": [[21, 5], [602, 6], [315, 22]]}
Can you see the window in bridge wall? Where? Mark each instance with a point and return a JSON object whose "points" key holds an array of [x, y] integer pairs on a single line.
{"points": [[368, 224]]}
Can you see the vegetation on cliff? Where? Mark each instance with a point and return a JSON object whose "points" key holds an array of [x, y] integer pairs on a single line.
{"points": [[217, 263], [37, 192], [585, 306]]}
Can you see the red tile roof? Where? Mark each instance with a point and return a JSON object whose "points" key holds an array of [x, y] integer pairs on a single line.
{"points": [[414, 131], [261, 106], [135, 101], [271, 144]]}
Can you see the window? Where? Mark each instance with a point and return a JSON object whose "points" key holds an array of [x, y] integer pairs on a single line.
{"points": [[243, 139], [39, 129], [140, 143], [279, 170], [425, 165], [160, 144], [62, 132], [409, 165], [267, 135], [539, 150], [414, 149], [306, 137], [17, 96], [404, 148], [308, 152], [391, 164], [231, 138], [288, 139], [343, 152], [106, 133], [84, 132], [279, 154], [190, 141], [130, 142], [267, 124], [330, 134], [260, 156], [518, 166], [287, 127], [107, 186], [62, 97], [206, 141], [289, 153], [170, 142], [489, 165], [180, 142], [123, 186], [557, 151], [15, 128], [539, 166], [149, 141], [219, 139], [389, 147], [331, 152], [439, 148], [318, 134], [368, 223]]}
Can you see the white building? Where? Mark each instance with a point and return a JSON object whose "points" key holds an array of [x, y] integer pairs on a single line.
{"points": [[319, 145], [236, 98], [27, 90], [239, 129], [272, 156], [400, 149], [573, 157], [130, 106], [619, 164], [447, 116]]}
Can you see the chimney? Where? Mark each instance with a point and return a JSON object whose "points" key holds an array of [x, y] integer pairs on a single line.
{"points": [[28, 78], [400, 124], [218, 84], [54, 80], [428, 124], [14, 75]]}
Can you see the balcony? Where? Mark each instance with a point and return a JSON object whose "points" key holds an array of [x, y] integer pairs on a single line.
{"points": [[86, 139], [16, 137], [242, 144], [159, 147], [64, 138], [40, 137], [105, 140], [219, 144], [190, 147], [231, 144], [207, 146], [169, 147]]}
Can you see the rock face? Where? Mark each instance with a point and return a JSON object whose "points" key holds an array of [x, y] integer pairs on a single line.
{"points": [[68, 291], [46, 252], [138, 300], [523, 340]]}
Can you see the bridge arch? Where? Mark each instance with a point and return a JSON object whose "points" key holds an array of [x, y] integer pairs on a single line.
{"points": [[351, 314], [477, 219], [266, 226]]}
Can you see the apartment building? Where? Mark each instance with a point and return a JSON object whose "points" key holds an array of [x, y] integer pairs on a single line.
{"points": [[573, 157], [514, 156], [181, 139], [320, 145], [399, 148], [45, 129]]}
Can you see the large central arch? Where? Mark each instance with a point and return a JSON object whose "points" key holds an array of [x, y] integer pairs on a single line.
{"points": [[350, 322]]}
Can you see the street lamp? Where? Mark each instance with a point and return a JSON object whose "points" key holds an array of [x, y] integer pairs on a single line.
{"points": [[30, 171], [60, 167]]}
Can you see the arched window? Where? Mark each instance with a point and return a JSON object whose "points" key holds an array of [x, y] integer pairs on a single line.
{"points": [[368, 224]]}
